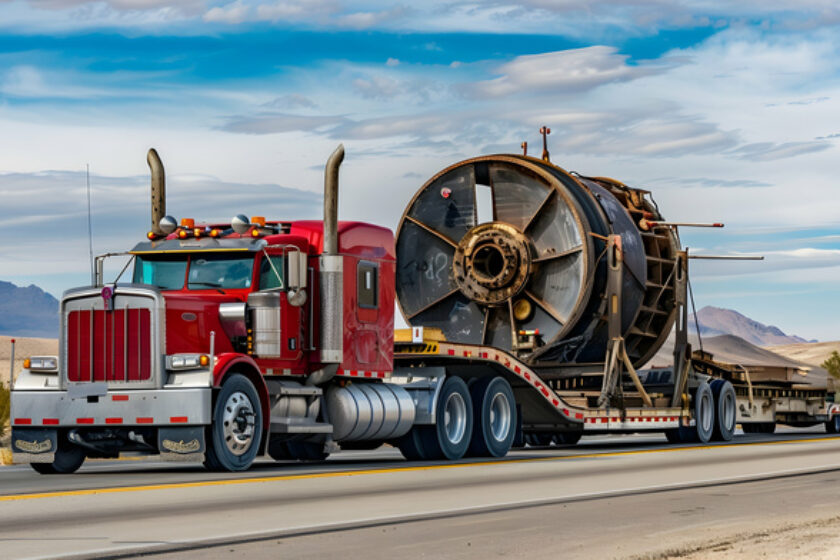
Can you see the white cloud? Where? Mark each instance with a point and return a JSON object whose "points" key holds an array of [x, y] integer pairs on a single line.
{"points": [[569, 71], [233, 13], [392, 62], [272, 123]]}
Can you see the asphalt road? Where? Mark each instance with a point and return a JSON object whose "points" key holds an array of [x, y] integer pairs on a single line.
{"points": [[607, 497]]}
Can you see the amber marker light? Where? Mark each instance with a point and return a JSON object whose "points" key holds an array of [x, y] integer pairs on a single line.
{"points": [[214, 232], [258, 221], [197, 232], [255, 232], [151, 236], [27, 363], [204, 360], [182, 234]]}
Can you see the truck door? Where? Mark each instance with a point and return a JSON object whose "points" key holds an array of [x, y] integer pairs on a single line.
{"points": [[292, 328]]}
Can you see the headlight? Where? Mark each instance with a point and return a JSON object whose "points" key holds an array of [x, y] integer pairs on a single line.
{"points": [[187, 361], [41, 363]]}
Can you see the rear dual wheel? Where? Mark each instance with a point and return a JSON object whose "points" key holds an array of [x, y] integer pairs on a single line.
{"points": [[715, 415], [479, 420], [449, 437]]}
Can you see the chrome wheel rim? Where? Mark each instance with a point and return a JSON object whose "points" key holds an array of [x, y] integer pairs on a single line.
{"points": [[706, 416], [500, 417], [455, 418], [238, 423], [728, 415]]}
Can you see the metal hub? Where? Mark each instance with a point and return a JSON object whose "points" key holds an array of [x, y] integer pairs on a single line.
{"points": [[491, 263], [238, 423], [455, 418], [499, 417]]}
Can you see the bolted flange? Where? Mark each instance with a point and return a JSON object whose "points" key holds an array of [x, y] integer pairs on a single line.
{"points": [[491, 263]]}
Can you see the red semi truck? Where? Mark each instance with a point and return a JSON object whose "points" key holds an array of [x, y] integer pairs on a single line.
{"points": [[271, 337]]}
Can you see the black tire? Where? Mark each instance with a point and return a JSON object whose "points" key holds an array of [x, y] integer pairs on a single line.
{"points": [[725, 410], [233, 439], [833, 425], [494, 417], [567, 438], [704, 413], [68, 459], [449, 439], [411, 444]]}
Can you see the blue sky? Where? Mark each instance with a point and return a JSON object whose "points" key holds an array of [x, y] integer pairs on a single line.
{"points": [[726, 111]]}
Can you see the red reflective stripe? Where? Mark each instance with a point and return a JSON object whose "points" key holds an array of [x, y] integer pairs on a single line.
{"points": [[145, 420], [113, 420], [119, 397], [451, 352], [381, 374], [84, 420], [23, 421], [178, 419], [368, 374], [50, 421]]}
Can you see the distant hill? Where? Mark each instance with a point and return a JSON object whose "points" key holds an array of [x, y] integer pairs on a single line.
{"points": [[812, 353], [734, 350], [716, 321], [28, 311]]}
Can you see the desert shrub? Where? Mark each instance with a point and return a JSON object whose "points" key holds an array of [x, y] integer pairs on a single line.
{"points": [[832, 365]]}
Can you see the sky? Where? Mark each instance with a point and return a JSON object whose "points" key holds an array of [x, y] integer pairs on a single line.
{"points": [[727, 111]]}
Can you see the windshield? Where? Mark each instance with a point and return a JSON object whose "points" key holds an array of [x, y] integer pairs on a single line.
{"points": [[201, 271]]}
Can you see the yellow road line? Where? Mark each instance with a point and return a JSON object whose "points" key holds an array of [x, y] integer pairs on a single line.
{"points": [[226, 482]]}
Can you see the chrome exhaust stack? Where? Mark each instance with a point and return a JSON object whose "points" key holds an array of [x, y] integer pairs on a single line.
{"points": [[158, 191], [331, 273]]}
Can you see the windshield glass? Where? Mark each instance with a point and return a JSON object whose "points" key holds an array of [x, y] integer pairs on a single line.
{"points": [[167, 272], [225, 270], [206, 270]]}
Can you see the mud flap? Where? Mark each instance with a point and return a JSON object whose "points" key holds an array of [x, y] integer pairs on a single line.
{"points": [[34, 445], [181, 444]]}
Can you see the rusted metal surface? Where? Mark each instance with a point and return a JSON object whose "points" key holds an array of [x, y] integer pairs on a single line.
{"points": [[537, 263], [158, 190]]}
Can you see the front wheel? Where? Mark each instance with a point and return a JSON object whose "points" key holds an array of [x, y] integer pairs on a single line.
{"points": [[68, 459], [233, 439]]}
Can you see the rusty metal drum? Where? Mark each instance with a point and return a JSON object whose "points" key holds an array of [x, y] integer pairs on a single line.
{"points": [[509, 251]]}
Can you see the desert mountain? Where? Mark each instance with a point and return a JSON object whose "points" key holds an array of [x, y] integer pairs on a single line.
{"points": [[734, 350], [28, 311], [715, 321]]}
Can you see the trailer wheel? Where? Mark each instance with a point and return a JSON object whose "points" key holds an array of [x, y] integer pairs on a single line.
{"points": [[704, 413], [68, 459], [833, 425], [233, 438], [450, 437], [704, 419], [725, 409], [494, 417]]}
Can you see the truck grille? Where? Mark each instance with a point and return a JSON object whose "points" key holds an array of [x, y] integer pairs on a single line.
{"points": [[109, 345]]}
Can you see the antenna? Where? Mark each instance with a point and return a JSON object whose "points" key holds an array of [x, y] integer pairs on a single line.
{"points": [[90, 228]]}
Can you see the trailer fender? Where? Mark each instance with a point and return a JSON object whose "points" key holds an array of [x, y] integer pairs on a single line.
{"points": [[229, 363]]}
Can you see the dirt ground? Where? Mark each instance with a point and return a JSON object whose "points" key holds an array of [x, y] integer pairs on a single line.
{"points": [[24, 348], [814, 539]]}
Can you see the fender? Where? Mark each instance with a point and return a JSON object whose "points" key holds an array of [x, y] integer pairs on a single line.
{"points": [[230, 362]]}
